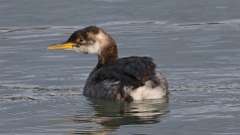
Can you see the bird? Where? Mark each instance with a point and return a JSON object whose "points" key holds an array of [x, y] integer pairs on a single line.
{"points": [[120, 79]]}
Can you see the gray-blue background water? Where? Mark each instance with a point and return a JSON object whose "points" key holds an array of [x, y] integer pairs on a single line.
{"points": [[195, 43]]}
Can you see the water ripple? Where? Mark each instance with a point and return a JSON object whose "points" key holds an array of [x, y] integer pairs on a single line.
{"points": [[28, 92], [134, 25]]}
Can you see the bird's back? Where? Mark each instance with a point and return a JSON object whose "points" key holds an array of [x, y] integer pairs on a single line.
{"points": [[116, 81]]}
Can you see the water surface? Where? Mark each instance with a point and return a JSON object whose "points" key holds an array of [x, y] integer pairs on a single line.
{"points": [[194, 43]]}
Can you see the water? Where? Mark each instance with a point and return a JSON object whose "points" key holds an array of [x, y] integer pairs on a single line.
{"points": [[195, 43]]}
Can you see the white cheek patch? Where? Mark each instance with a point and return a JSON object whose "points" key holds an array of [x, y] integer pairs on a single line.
{"points": [[93, 49]]}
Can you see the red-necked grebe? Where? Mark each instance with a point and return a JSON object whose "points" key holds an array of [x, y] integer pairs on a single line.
{"points": [[125, 79]]}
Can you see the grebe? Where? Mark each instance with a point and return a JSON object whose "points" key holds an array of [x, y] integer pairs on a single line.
{"points": [[124, 79]]}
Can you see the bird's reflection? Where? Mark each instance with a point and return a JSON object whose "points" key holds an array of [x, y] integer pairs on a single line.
{"points": [[112, 115]]}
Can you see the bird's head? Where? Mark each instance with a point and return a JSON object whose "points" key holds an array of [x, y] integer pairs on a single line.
{"points": [[91, 39]]}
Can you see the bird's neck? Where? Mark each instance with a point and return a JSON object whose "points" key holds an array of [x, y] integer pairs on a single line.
{"points": [[109, 54]]}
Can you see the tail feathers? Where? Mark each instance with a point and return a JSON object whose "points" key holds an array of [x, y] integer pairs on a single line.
{"points": [[155, 88]]}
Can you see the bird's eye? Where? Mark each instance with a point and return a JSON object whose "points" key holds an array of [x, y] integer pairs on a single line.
{"points": [[80, 40]]}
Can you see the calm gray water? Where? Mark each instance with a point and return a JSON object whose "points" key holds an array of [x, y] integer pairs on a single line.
{"points": [[195, 43]]}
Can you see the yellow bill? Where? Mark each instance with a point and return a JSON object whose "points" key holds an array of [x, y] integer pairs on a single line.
{"points": [[63, 46]]}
